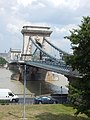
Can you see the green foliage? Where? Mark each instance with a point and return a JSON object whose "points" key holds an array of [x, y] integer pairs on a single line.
{"points": [[80, 60], [4, 102], [2, 61]]}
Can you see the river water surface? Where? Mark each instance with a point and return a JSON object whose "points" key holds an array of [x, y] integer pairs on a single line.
{"points": [[36, 87]]}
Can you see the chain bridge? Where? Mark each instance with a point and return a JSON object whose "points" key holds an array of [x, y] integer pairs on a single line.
{"points": [[40, 53]]}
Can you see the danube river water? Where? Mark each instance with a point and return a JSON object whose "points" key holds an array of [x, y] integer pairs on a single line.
{"points": [[36, 87]]}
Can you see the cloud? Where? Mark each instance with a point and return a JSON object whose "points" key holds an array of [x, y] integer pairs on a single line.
{"points": [[60, 15], [12, 28], [25, 3], [1, 37], [64, 29], [2, 10]]}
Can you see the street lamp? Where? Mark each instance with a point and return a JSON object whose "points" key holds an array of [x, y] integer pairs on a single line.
{"points": [[61, 94], [24, 91], [40, 88]]}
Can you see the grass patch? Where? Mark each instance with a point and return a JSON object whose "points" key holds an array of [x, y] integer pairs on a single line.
{"points": [[3, 102], [40, 112]]}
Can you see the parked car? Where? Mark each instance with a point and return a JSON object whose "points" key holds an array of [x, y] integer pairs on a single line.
{"points": [[45, 100]]}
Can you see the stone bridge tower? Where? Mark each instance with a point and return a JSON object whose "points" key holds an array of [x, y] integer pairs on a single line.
{"points": [[39, 33]]}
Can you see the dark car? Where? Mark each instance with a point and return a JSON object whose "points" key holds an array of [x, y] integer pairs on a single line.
{"points": [[45, 100]]}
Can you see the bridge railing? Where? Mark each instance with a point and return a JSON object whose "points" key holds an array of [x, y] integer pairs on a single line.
{"points": [[60, 64]]}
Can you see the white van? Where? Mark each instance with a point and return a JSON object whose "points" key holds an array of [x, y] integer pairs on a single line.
{"points": [[8, 95]]}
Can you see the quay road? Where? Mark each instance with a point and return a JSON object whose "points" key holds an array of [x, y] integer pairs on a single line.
{"points": [[27, 101]]}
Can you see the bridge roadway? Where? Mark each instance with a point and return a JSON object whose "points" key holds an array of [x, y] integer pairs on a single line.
{"points": [[50, 66]]}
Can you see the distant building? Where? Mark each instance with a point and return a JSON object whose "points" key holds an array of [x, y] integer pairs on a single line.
{"points": [[15, 54]]}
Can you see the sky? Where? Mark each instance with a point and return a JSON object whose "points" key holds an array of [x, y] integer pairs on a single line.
{"points": [[60, 15]]}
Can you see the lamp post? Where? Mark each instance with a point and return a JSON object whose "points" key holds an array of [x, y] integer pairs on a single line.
{"points": [[61, 94], [40, 88], [24, 93], [24, 116]]}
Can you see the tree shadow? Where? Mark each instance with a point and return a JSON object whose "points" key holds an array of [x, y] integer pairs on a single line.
{"points": [[50, 116]]}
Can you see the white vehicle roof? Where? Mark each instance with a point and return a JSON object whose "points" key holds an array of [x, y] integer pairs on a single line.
{"points": [[5, 90]]}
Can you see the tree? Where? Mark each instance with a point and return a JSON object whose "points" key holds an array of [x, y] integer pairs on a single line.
{"points": [[2, 61], [80, 60]]}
